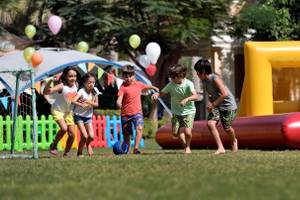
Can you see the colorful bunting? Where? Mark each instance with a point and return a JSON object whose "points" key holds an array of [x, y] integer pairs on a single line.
{"points": [[90, 66], [4, 101], [38, 87], [110, 79], [82, 66], [100, 72]]}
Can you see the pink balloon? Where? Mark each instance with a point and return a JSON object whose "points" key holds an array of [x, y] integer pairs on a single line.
{"points": [[54, 24], [151, 69]]}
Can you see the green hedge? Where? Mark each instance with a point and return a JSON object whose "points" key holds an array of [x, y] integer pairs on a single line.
{"points": [[107, 112]]}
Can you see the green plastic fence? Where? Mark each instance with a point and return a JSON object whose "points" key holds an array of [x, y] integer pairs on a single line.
{"points": [[47, 129]]}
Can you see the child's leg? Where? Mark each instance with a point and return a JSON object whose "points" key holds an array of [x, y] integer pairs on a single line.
{"points": [[138, 122], [181, 137], [59, 135], [188, 139], [71, 134], [127, 139], [62, 130], [90, 134], [227, 116], [83, 138], [126, 128], [139, 134], [211, 124], [233, 140]]}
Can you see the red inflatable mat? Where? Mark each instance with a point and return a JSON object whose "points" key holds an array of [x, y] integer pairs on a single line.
{"points": [[261, 132]]}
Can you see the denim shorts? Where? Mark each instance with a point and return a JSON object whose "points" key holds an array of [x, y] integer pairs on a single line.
{"points": [[85, 120]]}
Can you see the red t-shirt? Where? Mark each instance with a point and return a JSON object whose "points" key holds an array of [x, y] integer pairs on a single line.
{"points": [[131, 103]]}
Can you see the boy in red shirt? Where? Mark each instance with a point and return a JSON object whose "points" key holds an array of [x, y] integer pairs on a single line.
{"points": [[129, 100]]}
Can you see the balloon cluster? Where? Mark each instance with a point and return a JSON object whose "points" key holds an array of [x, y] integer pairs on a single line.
{"points": [[149, 60], [29, 54], [32, 56]]}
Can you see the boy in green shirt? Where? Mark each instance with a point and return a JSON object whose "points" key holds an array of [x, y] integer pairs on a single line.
{"points": [[183, 95]]}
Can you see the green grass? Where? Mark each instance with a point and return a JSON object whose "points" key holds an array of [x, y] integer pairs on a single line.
{"points": [[157, 174]]}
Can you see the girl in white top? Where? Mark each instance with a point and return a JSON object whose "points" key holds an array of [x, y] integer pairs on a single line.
{"points": [[85, 101], [61, 109]]}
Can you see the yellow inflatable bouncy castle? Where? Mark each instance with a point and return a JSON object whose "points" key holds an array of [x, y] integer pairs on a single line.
{"points": [[269, 116], [272, 78]]}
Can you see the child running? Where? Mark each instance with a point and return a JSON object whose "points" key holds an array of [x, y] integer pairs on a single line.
{"points": [[85, 101], [221, 105], [129, 100], [61, 109], [183, 95]]}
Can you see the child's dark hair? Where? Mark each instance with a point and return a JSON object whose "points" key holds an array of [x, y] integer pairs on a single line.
{"points": [[203, 65], [178, 70], [86, 77], [128, 69], [63, 77]]}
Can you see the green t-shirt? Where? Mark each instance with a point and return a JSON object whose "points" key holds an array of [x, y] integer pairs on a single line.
{"points": [[178, 93]]}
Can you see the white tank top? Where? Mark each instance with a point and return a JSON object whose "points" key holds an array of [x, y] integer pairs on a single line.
{"points": [[64, 99]]}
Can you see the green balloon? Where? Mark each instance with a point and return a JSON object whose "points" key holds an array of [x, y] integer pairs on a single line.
{"points": [[27, 54], [83, 46], [134, 41], [30, 31]]}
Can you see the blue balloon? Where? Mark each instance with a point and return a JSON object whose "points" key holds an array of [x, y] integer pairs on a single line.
{"points": [[120, 148]]}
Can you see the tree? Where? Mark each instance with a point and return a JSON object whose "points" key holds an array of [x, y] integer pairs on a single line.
{"points": [[175, 25], [268, 20]]}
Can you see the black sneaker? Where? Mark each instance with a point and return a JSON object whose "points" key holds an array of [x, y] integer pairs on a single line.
{"points": [[136, 151]]}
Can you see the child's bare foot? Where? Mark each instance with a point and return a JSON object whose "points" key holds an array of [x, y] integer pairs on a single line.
{"points": [[90, 151], [187, 150], [219, 151], [235, 146]]}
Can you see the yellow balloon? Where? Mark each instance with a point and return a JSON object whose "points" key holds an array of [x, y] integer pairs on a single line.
{"points": [[134, 41], [30, 31], [82, 46], [27, 54]]}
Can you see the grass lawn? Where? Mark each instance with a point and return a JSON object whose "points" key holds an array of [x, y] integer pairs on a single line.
{"points": [[157, 174]]}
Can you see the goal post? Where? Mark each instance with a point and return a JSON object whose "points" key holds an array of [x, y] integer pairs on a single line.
{"points": [[15, 99]]}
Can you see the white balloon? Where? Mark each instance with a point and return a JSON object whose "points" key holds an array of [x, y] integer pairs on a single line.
{"points": [[144, 60], [153, 52]]}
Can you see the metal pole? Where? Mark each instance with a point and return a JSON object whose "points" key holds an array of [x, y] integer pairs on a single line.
{"points": [[34, 116], [15, 115]]}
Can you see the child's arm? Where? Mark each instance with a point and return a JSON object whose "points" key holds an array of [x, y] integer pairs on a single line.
{"points": [[48, 90], [119, 101], [93, 103], [155, 96], [221, 87], [151, 87], [193, 97], [78, 103]]}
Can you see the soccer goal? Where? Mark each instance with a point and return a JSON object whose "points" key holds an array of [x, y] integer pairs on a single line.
{"points": [[17, 105]]}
